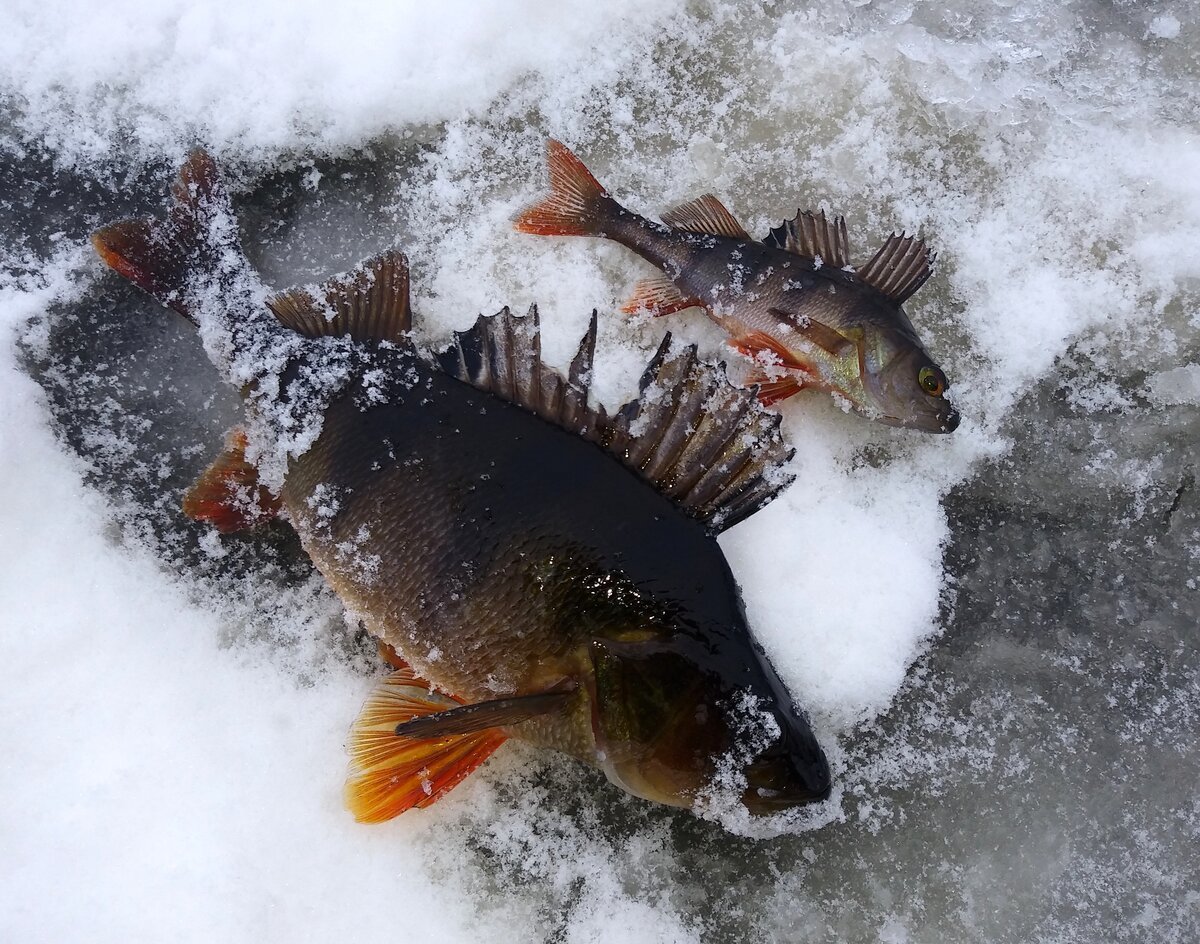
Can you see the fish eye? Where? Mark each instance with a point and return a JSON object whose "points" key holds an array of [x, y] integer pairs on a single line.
{"points": [[932, 381]]}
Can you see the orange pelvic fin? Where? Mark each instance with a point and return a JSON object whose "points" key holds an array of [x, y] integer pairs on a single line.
{"points": [[389, 773], [577, 204], [228, 494], [772, 391], [657, 295]]}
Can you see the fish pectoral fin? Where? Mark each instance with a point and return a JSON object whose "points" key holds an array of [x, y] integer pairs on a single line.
{"points": [[658, 295], [228, 494], [388, 653], [902, 265], [828, 339], [410, 745], [368, 303], [706, 215], [469, 719]]}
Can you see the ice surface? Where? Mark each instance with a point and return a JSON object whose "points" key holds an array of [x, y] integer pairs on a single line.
{"points": [[994, 631]]}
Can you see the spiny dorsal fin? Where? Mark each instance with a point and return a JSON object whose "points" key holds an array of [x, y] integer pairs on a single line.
{"points": [[707, 215], [902, 265], [702, 442], [369, 303], [812, 235]]}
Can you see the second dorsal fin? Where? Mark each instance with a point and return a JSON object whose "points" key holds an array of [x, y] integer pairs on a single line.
{"points": [[699, 440], [902, 265], [369, 303], [812, 234], [707, 215]]}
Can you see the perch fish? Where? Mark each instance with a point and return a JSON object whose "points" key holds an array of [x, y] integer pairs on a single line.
{"points": [[792, 301]]}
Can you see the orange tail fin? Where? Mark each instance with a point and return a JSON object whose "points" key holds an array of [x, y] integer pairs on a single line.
{"points": [[389, 773], [577, 204], [160, 256]]}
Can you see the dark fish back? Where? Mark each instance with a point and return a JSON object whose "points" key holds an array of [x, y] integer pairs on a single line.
{"points": [[461, 526]]}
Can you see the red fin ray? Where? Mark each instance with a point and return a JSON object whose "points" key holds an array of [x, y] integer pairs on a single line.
{"points": [[228, 494], [757, 343], [772, 391]]}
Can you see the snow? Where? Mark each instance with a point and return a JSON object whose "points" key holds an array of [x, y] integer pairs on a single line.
{"points": [[993, 630]]}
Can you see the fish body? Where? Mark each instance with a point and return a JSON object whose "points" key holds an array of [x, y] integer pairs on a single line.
{"points": [[791, 301], [541, 569]]}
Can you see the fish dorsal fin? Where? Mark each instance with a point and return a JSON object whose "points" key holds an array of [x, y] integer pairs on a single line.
{"points": [[502, 355], [902, 265], [368, 303], [698, 439], [707, 215], [811, 235]]}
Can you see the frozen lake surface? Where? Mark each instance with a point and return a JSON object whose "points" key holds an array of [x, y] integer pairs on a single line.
{"points": [[995, 631]]}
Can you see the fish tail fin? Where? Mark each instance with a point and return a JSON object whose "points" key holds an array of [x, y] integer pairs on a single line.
{"points": [[577, 204], [390, 773], [198, 237]]}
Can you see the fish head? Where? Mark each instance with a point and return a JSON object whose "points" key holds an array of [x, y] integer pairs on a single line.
{"points": [[902, 385], [669, 721]]}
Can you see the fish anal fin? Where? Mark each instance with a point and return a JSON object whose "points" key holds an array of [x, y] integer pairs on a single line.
{"points": [[813, 235], [657, 295], [706, 215], [368, 303], [228, 494], [901, 266], [390, 774]]}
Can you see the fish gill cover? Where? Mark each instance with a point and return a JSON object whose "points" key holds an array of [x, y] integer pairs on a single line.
{"points": [[995, 632]]}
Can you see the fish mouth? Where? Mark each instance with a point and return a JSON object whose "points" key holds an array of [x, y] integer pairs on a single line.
{"points": [[763, 801], [933, 421], [776, 782]]}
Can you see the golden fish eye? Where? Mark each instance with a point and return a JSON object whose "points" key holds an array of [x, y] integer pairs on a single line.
{"points": [[931, 382]]}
